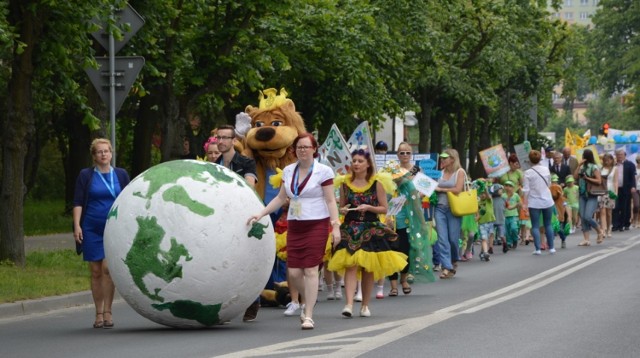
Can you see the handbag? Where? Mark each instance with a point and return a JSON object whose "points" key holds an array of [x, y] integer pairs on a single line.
{"points": [[465, 202], [598, 189]]}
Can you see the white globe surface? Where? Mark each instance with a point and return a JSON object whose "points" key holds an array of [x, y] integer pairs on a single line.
{"points": [[178, 246]]}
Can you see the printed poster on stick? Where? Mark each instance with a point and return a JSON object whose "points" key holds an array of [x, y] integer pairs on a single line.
{"points": [[494, 160]]}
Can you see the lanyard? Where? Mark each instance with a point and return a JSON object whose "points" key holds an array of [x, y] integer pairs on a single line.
{"points": [[111, 187], [296, 186]]}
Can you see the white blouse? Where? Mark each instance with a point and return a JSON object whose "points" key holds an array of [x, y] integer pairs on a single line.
{"points": [[311, 197]]}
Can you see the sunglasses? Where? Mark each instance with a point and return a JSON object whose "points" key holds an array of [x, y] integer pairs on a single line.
{"points": [[404, 153], [361, 152]]}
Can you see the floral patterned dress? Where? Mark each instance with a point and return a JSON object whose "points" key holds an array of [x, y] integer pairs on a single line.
{"points": [[366, 242]]}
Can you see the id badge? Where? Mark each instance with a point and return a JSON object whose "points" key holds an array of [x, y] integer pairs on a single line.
{"points": [[295, 208]]}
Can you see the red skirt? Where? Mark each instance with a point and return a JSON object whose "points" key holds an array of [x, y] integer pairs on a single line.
{"points": [[306, 242]]}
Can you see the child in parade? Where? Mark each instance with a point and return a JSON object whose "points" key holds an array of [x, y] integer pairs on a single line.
{"points": [[512, 206]]}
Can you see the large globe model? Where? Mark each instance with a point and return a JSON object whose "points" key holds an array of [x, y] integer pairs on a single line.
{"points": [[178, 247]]}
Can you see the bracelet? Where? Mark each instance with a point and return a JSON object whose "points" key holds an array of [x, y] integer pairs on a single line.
{"points": [[335, 223]]}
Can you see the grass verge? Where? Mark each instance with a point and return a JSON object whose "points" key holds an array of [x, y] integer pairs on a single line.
{"points": [[46, 273], [44, 217]]}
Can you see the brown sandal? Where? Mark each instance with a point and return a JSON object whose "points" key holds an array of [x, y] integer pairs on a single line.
{"points": [[98, 323], [393, 292], [446, 274], [108, 324]]}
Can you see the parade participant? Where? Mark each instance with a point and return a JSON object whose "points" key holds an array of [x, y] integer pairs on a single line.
{"points": [[448, 225], [607, 202], [588, 172], [95, 192], [308, 185], [538, 201], [211, 150], [626, 187], [572, 195], [365, 247]]}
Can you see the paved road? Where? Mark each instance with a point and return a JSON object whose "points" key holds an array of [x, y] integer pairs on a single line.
{"points": [[580, 302], [49, 242]]}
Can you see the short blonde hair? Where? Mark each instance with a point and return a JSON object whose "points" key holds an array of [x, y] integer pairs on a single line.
{"points": [[97, 141]]}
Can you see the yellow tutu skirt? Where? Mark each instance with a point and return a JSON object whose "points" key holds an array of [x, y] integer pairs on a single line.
{"points": [[381, 264]]}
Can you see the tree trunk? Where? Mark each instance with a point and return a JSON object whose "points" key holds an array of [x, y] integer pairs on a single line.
{"points": [[18, 129], [146, 122], [424, 120], [436, 132], [173, 124]]}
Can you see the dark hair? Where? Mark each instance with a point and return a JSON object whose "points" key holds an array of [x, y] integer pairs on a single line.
{"points": [[381, 145], [314, 143], [513, 158], [367, 156], [588, 156], [230, 127]]}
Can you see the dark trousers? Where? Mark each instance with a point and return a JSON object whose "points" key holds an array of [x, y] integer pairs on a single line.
{"points": [[621, 214], [404, 247]]}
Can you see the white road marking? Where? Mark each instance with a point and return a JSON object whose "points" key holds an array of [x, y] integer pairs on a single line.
{"points": [[355, 342]]}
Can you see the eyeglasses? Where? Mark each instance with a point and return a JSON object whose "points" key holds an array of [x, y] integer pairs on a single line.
{"points": [[361, 152], [304, 147], [222, 137], [404, 153], [101, 152]]}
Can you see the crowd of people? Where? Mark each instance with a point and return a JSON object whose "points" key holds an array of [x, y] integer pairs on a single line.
{"points": [[338, 227]]}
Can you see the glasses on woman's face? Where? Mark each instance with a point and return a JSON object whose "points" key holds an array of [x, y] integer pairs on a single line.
{"points": [[304, 147], [101, 152], [404, 153]]}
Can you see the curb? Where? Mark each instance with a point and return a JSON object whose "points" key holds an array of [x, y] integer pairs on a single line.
{"points": [[46, 304]]}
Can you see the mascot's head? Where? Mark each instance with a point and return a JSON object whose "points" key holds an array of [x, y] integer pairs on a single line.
{"points": [[275, 124]]}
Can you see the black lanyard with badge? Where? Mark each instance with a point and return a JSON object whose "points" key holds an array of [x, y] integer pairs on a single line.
{"points": [[295, 207]]}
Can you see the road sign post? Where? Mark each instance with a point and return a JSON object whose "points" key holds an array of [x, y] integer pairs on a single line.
{"points": [[122, 70]]}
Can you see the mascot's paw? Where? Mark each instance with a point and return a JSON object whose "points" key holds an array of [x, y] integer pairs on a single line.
{"points": [[277, 297]]}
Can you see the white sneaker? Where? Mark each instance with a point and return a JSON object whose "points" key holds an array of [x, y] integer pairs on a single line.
{"points": [[331, 294], [338, 291], [292, 308], [538, 252], [364, 312], [358, 297], [347, 311], [380, 292], [552, 251]]}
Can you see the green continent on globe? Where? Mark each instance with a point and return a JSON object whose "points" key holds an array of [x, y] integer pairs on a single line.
{"points": [[145, 256], [170, 172], [113, 213], [177, 194], [205, 314], [257, 230]]}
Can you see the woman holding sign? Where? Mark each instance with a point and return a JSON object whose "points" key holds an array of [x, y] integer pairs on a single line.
{"points": [[366, 242]]}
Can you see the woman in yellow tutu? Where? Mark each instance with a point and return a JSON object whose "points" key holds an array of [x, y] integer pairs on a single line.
{"points": [[366, 242]]}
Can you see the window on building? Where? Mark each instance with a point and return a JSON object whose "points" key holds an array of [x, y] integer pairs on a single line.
{"points": [[584, 2], [568, 15], [584, 15], [596, 2], [568, 2]]}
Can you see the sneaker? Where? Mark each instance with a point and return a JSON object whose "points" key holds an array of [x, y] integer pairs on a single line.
{"points": [[331, 295], [364, 312], [552, 251], [251, 313], [490, 250], [481, 256], [436, 268], [563, 245], [338, 291], [410, 278], [358, 297], [347, 311], [469, 255], [379, 292], [292, 308], [505, 248], [487, 257], [537, 252]]}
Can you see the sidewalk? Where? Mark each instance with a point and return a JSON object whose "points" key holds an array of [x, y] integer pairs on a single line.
{"points": [[28, 307]]}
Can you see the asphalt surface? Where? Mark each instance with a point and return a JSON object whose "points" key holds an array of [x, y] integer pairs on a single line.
{"points": [[28, 307]]}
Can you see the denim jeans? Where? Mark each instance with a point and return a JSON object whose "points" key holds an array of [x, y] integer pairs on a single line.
{"points": [[535, 226], [448, 229], [588, 206]]}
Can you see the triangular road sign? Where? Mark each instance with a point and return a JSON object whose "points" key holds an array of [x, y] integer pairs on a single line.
{"points": [[127, 15], [126, 69]]}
